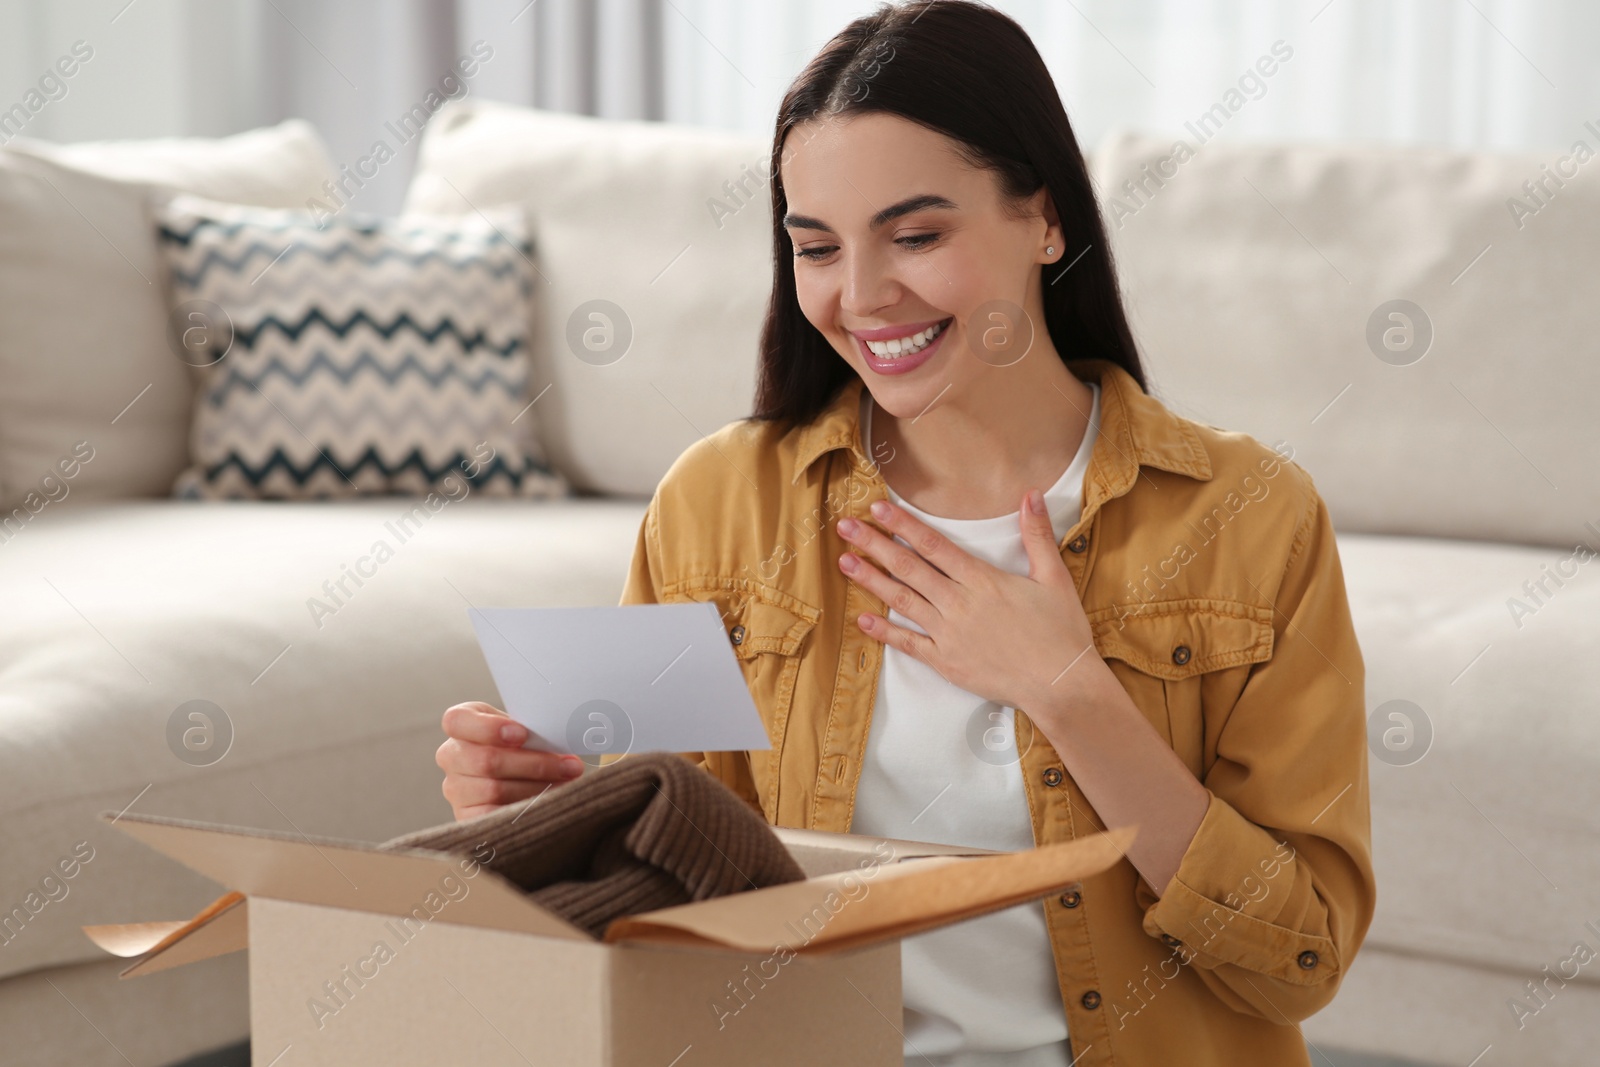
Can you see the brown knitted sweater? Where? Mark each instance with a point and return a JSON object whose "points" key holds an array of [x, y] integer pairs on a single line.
{"points": [[645, 832]]}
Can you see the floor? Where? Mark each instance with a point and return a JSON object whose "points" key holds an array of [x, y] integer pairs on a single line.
{"points": [[239, 1056], [1336, 1058], [232, 1056]]}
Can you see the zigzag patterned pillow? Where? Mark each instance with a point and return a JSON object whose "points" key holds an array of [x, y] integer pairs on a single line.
{"points": [[364, 356]]}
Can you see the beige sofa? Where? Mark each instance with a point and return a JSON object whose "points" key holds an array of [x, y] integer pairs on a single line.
{"points": [[1251, 272]]}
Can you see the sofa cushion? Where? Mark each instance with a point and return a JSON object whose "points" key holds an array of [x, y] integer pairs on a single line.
{"points": [[654, 249], [84, 356], [1260, 278], [1485, 804], [274, 166], [320, 672], [355, 355]]}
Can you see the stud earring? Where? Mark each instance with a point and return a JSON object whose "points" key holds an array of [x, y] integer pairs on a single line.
{"points": [[1050, 250]]}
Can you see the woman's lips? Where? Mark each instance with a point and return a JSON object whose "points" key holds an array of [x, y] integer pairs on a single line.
{"points": [[903, 364]]}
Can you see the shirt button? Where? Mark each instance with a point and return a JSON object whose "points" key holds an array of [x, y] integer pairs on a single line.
{"points": [[1052, 776], [1180, 655], [1078, 544], [1308, 959], [738, 635], [1168, 939], [1071, 898], [1091, 1000]]}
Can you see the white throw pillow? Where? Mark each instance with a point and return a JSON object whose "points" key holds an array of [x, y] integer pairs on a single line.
{"points": [[1260, 277], [84, 353], [668, 226], [357, 357]]}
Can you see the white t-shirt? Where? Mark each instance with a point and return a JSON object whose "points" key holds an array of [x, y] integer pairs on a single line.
{"points": [[941, 765]]}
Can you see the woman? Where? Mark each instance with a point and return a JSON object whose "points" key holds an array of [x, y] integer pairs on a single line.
{"points": [[986, 590]]}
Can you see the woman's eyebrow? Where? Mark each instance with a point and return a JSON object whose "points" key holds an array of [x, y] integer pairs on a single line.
{"points": [[923, 202]]}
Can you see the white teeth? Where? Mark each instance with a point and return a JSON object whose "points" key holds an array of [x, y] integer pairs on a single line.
{"points": [[905, 345]]}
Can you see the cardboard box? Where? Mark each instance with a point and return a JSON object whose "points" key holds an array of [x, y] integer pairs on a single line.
{"points": [[365, 956]]}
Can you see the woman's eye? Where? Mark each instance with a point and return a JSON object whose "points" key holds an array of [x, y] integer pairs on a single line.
{"points": [[913, 242]]}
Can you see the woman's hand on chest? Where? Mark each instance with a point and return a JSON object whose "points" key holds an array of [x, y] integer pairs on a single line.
{"points": [[1021, 641]]}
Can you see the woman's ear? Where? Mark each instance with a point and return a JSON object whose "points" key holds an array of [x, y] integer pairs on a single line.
{"points": [[1054, 237]]}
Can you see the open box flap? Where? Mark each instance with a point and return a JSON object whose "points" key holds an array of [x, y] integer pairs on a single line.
{"points": [[221, 927], [341, 874], [826, 852], [876, 904]]}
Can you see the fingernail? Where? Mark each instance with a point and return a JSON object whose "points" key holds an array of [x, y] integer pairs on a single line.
{"points": [[880, 509], [847, 526], [571, 766], [1036, 501], [848, 562], [512, 734]]}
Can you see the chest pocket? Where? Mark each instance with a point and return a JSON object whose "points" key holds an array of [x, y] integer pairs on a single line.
{"points": [[767, 629], [1177, 657]]}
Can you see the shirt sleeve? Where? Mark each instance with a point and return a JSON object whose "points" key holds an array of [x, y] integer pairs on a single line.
{"points": [[1275, 893], [643, 586]]}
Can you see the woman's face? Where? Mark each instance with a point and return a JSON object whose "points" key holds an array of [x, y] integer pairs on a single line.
{"points": [[894, 235]]}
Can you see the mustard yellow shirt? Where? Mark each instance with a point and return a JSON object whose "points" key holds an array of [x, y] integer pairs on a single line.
{"points": [[1208, 570]]}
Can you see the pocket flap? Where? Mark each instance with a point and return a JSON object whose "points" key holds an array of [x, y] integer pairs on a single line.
{"points": [[756, 617], [1182, 637], [768, 627]]}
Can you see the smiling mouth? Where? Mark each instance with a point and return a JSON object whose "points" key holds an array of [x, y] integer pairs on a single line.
{"points": [[901, 347]]}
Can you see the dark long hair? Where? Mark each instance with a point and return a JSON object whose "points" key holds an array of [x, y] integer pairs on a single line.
{"points": [[967, 71]]}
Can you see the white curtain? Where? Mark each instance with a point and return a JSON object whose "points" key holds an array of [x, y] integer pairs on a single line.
{"points": [[1498, 74], [354, 68]]}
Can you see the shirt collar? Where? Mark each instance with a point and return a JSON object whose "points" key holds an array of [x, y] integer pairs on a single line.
{"points": [[1135, 430]]}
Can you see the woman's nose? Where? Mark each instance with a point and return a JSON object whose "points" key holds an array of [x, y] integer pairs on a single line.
{"points": [[868, 284]]}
